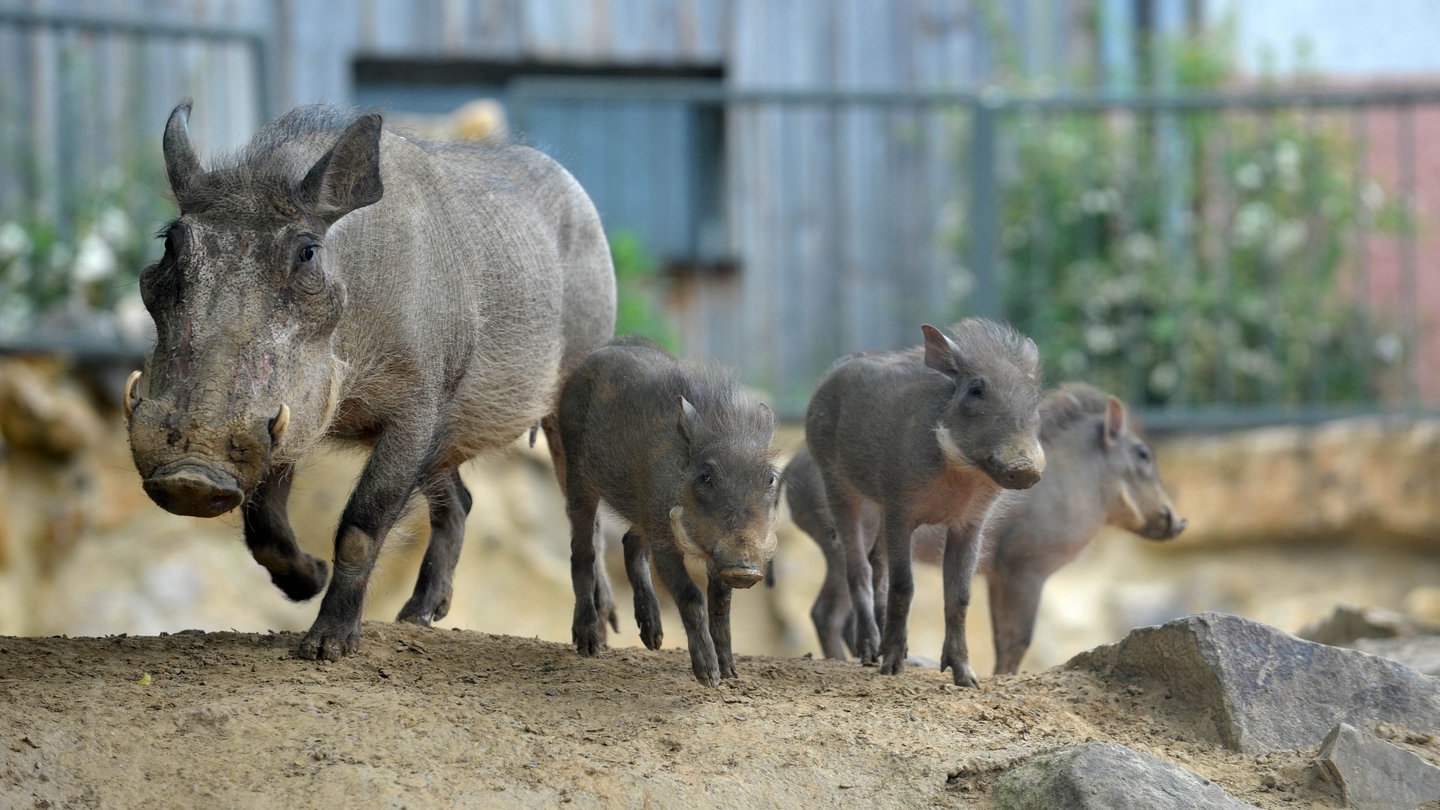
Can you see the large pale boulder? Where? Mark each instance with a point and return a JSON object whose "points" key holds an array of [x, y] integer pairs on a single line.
{"points": [[1260, 689]]}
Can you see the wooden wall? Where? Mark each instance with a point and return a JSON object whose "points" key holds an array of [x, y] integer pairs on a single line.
{"points": [[832, 213]]}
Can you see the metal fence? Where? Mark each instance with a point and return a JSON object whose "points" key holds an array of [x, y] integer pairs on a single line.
{"points": [[1214, 258], [1217, 259]]}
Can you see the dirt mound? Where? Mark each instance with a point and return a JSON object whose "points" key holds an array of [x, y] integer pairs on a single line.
{"points": [[424, 718]]}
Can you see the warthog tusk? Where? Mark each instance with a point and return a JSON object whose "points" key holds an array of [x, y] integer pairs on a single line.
{"points": [[129, 399], [279, 423]]}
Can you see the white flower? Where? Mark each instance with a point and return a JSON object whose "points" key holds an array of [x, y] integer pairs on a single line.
{"points": [[1073, 363], [132, 321], [1164, 378], [1289, 237], [114, 225], [959, 283], [1141, 248], [1251, 222], [1373, 196], [1100, 339], [14, 241], [95, 261], [1064, 145], [1287, 165], [1249, 176], [1389, 347]]}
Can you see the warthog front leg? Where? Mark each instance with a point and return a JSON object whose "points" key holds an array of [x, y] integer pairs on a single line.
{"points": [[831, 611], [389, 479], [449, 503], [586, 629], [272, 541], [647, 606], [718, 597], [962, 553], [894, 642], [1014, 601], [670, 563]]}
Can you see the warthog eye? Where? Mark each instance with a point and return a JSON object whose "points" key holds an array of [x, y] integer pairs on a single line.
{"points": [[706, 476], [1142, 452], [306, 275]]}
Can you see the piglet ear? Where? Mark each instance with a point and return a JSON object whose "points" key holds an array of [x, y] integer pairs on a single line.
{"points": [[1115, 422], [1031, 353], [690, 423], [941, 353], [348, 176], [767, 421]]}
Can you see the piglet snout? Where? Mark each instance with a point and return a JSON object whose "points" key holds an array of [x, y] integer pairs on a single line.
{"points": [[741, 576]]}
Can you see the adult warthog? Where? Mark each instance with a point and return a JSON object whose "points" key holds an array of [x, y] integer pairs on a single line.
{"points": [[338, 281]]}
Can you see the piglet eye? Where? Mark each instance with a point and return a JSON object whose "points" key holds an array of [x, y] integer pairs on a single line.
{"points": [[1142, 452], [977, 389]]}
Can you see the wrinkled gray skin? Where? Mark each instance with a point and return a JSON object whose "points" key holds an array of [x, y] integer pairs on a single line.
{"points": [[1098, 472], [682, 454], [336, 281], [929, 435]]}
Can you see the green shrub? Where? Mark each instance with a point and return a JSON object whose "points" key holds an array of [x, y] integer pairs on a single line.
{"points": [[637, 310], [1195, 258]]}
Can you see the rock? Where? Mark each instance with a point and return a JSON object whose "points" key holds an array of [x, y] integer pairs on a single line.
{"points": [[1107, 776], [1259, 688], [1376, 477], [1372, 774], [43, 414], [1349, 623], [1420, 653]]}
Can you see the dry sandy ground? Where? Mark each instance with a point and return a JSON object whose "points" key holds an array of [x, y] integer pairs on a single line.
{"points": [[426, 718]]}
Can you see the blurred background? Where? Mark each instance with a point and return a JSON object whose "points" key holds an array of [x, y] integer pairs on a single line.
{"points": [[1222, 212]]}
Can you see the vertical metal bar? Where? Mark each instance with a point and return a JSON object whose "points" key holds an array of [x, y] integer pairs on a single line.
{"points": [[1312, 155], [1361, 346], [1409, 319], [1270, 390], [984, 207], [1227, 328], [1035, 273], [260, 50]]}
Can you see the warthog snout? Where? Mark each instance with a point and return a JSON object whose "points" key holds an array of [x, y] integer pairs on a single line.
{"points": [[194, 488], [1169, 525], [188, 466], [741, 576]]}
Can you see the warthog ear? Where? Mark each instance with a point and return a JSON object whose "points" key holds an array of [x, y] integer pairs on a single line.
{"points": [[348, 176], [941, 353], [1115, 420], [181, 165]]}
